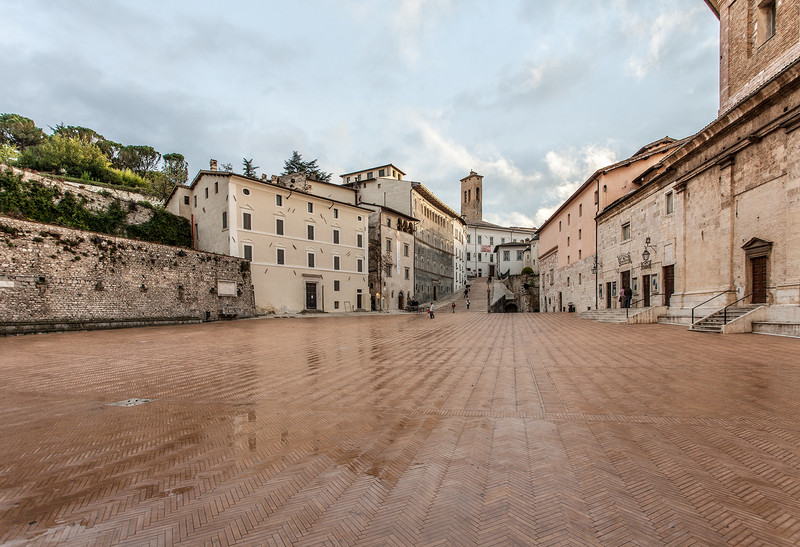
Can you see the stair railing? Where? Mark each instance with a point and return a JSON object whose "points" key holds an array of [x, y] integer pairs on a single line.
{"points": [[628, 309], [725, 310], [709, 300]]}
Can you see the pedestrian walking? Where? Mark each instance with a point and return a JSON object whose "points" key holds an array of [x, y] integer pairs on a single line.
{"points": [[454, 307], [627, 292], [430, 310], [467, 303]]}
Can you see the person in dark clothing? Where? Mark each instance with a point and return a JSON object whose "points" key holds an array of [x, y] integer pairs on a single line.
{"points": [[627, 292]]}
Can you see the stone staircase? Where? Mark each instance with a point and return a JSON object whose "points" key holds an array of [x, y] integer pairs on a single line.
{"points": [[714, 322], [615, 315]]}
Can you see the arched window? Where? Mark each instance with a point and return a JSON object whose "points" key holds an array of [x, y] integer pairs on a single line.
{"points": [[477, 194]]}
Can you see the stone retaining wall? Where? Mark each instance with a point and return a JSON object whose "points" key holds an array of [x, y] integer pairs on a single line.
{"points": [[51, 275]]}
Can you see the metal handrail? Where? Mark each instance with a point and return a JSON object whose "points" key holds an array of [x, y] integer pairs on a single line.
{"points": [[627, 310], [709, 300], [725, 309]]}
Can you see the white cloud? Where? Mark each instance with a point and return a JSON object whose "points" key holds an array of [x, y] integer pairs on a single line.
{"points": [[571, 168], [512, 218], [411, 20], [670, 23], [450, 154]]}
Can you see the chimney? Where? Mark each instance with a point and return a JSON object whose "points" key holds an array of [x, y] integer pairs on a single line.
{"points": [[264, 177], [213, 165]]}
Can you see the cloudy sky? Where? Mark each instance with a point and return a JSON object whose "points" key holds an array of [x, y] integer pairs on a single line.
{"points": [[534, 95]]}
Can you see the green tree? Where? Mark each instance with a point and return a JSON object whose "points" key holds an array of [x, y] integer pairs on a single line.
{"points": [[58, 154], [176, 170], [8, 154], [296, 165], [248, 169], [19, 131]]}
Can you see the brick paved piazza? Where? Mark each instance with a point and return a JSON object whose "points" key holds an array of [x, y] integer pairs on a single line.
{"points": [[469, 429]]}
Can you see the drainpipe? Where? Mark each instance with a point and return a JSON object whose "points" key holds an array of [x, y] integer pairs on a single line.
{"points": [[596, 256]]}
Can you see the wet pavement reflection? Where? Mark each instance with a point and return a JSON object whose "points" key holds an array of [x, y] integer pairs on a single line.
{"points": [[468, 429]]}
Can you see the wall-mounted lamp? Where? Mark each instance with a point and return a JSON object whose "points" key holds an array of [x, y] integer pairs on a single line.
{"points": [[646, 254]]}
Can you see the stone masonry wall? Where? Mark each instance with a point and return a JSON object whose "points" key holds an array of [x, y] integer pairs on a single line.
{"points": [[53, 274]]}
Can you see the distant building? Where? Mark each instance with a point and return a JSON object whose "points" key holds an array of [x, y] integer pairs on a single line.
{"points": [[511, 257], [391, 258], [306, 239], [435, 250], [481, 259], [567, 240]]}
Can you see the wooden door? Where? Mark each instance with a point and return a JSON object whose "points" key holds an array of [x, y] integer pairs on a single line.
{"points": [[669, 283], [608, 295], [311, 296], [646, 290], [758, 275], [625, 277]]}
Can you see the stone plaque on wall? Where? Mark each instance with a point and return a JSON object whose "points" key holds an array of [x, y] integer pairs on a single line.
{"points": [[669, 253], [226, 288]]}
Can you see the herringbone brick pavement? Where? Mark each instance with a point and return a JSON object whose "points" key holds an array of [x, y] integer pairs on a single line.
{"points": [[468, 429]]}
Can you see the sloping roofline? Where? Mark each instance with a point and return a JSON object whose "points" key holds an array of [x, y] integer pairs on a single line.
{"points": [[373, 169], [651, 149]]}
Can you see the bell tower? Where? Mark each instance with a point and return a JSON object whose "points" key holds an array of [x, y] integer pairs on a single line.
{"points": [[472, 197]]}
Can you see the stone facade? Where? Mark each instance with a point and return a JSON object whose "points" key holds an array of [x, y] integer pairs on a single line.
{"points": [[51, 275], [571, 233], [434, 233], [391, 258], [720, 218], [306, 239]]}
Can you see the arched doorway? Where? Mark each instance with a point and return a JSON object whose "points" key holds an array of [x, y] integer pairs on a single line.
{"points": [[401, 305]]}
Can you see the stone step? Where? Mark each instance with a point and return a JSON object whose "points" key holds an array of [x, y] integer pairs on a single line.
{"points": [[777, 329]]}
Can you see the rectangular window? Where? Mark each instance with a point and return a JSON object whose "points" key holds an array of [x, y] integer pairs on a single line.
{"points": [[359, 240], [670, 202], [280, 258], [405, 249], [310, 260], [216, 187], [596, 197], [389, 222], [248, 252], [600, 290], [479, 239], [279, 200], [765, 24], [626, 231], [360, 265], [469, 256], [279, 226], [186, 200], [336, 263], [206, 192], [568, 218], [388, 270], [479, 256], [408, 272], [335, 212], [491, 257], [580, 209], [506, 256], [310, 207], [195, 202], [335, 284], [567, 241], [381, 172], [247, 221], [559, 225], [580, 254], [579, 235], [388, 245], [491, 241], [469, 238], [335, 304], [519, 255], [336, 236], [224, 220], [580, 278], [310, 232]]}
